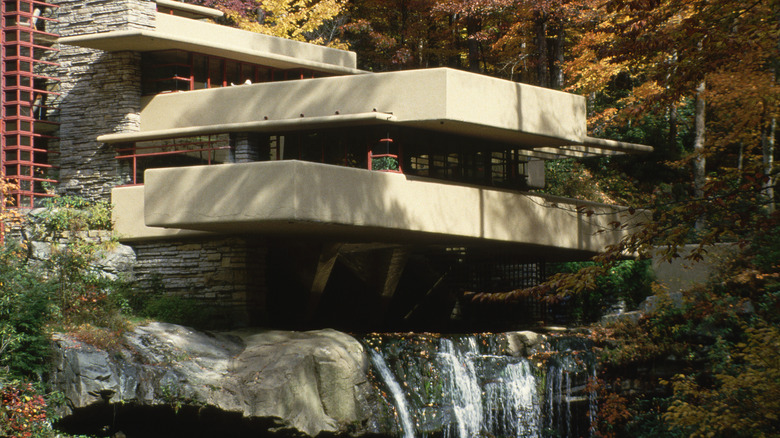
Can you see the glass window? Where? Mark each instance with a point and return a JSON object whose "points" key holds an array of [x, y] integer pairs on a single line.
{"points": [[200, 71]]}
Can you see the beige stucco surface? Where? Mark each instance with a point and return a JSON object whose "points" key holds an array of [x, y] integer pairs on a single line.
{"points": [[680, 274], [235, 38], [128, 217], [440, 99], [173, 32], [190, 11], [311, 199]]}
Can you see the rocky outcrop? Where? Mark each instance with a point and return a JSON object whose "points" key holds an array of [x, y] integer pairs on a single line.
{"points": [[524, 343], [305, 382]]}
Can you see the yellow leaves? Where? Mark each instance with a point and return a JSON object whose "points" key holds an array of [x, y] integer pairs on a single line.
{"points": [[745, 398], [7, 215], [299, 20]]}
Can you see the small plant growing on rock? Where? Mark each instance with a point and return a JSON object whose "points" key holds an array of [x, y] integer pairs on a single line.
{"points": [[72, 214]]}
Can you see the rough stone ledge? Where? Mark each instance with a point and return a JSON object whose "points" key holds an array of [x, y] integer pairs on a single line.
{"points": [[309, 382]]}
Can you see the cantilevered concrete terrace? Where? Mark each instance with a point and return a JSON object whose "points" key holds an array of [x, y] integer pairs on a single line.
{"points": [[334, 203], [181, 33], [536, 119]]}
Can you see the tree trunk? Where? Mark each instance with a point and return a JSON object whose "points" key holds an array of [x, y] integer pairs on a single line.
{"points": [[673, 127], [768, 149], [699, 161], [472, 27], [542, 73], [741, 158], [556, 69], [404, 17]]}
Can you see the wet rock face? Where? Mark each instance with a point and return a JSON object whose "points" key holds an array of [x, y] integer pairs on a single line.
{"points": [[306, 383]]}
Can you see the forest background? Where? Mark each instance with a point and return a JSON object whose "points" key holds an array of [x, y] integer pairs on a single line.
{"points": [[695, 79]]}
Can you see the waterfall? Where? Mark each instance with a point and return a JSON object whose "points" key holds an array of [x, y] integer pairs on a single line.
{"points": [[469, 386], [462, 386], [512, 403], [593, 405], [559, 398], [402, 408]]}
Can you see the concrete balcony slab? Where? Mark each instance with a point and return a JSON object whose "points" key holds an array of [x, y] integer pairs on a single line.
{"points": [[321, 202]]}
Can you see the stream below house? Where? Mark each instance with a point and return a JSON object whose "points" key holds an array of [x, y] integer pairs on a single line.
{"points": [[170, 381], [473, 386]]}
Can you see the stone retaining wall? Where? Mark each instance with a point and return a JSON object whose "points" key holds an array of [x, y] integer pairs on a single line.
{"points": [[226, 274], [100, 93]]}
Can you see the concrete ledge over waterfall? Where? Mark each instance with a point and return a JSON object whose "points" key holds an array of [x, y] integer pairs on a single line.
{"points": [[347, 204]]}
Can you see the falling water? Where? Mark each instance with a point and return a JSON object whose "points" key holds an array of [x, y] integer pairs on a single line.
{"points": [[462, 386], [469, 386], [512, 404], [593, 405], [395, 389]]}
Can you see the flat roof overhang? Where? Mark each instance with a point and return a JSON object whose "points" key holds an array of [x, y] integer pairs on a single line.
{"points": [[179, 33], [302, 199], [547, 123], [190, 11]]}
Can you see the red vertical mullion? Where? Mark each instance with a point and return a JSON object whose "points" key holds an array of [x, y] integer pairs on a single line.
{"points": [[134, 154], [208, 71]]}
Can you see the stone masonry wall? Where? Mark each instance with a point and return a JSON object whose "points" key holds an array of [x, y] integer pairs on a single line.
{"points": [[227, 275], [101, 92], [246, 147]]}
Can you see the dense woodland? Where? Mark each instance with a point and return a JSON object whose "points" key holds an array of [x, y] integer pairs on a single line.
{"points": [[696, 79]]}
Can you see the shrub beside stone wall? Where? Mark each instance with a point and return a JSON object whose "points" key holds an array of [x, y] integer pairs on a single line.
{"points": [[226, 275]]}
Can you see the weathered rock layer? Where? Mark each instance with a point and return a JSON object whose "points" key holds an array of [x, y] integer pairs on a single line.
{"points": [[305, 382]]}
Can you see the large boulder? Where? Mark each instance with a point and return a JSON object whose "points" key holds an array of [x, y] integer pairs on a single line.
{"points": [[306, 382]]}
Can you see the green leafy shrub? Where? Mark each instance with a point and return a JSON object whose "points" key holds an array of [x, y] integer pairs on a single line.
{"points": [[384, 163], [73, 213], [628, 281], [154, 302], [718, 350], [83, 294], [25, 310], [177, 310]]}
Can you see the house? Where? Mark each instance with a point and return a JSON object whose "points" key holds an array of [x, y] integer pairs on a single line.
{"points": [[274, 179]]}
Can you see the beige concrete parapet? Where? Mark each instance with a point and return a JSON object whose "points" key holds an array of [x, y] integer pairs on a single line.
{"points": [[173, 32], [128, 217], [439, 99], [547, 122], [189, 10], [299, 199]]}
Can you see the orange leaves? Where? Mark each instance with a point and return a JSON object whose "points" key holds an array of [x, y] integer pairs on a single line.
{"points": [[612, 413], [22, 411], [6, 215], [669, 47]]}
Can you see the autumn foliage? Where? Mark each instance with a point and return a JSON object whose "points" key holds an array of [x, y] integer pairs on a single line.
{"points": [[22, 412]]}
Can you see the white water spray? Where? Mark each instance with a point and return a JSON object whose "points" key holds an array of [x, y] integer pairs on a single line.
{"points": [[402, 407], [462, 386]]}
